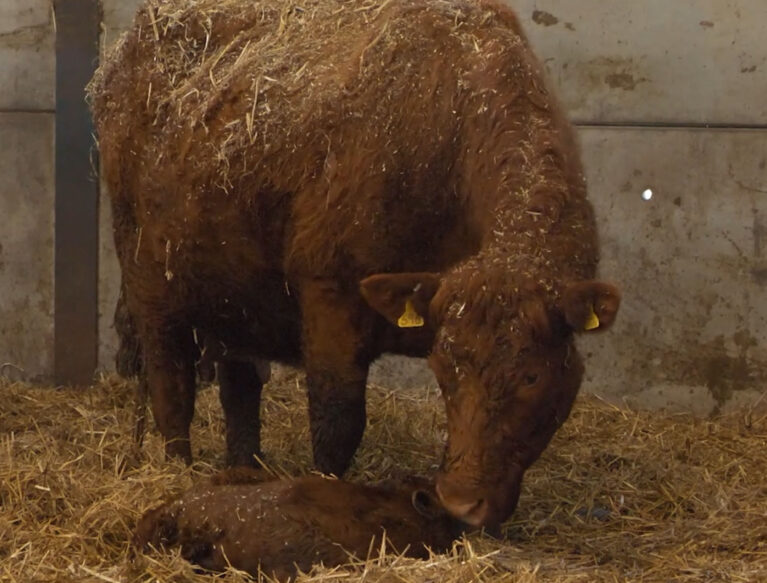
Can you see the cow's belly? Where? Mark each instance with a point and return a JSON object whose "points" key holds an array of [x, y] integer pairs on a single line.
{"points": [[216, 271], [261, 319]]}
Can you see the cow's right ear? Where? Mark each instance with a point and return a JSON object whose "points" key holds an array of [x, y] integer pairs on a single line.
{"points": [[401, 298], [590, 305]]}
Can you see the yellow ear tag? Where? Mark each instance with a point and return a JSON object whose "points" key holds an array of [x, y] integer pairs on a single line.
{"points": [[593, 322], [410, 318]]}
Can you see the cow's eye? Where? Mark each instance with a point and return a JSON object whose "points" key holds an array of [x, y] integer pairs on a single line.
{"points": [[530, 378]]}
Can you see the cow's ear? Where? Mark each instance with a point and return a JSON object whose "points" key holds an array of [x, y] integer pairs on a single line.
{"points": [[590, 306], [401, 298]]}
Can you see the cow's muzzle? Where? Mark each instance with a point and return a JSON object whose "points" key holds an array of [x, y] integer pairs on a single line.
{"points": [[485, 506]]}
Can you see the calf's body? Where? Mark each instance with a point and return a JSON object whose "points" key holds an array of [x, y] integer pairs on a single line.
{"points": [[279, 526]]}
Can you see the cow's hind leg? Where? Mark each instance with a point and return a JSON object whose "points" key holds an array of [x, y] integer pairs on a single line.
{"points": [[169, 358], [241, 401], [128, 359], [336, 374]]}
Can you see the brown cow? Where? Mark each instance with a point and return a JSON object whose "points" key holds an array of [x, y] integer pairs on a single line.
{"points": [[325, 183], [279, 526]]}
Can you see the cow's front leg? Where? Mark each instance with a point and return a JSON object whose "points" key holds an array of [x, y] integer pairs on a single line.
{"points": [[240, 392], [336, 418], [335, 337]]}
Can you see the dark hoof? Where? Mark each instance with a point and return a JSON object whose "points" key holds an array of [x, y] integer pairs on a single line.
{"points": [[249, 460], [179, 449], [336, 464]]}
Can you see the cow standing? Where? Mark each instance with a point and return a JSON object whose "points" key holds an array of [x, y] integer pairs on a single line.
{"points": [[320, 184]]}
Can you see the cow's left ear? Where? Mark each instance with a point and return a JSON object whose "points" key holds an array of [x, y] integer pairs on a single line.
{"points": [[590, 306], [401, 298]]}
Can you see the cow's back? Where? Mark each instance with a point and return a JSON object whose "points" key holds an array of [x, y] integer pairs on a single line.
{"points": [[300, 139]]}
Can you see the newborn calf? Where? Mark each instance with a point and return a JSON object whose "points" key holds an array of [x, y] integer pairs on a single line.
{"points": [[285, 525]]}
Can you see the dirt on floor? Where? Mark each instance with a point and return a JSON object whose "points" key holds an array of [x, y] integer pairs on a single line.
{"points": [[619, 495]]}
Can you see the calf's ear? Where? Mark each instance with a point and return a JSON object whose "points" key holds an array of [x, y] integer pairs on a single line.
{"points": [[401, 298], [426, 504], [590, 306]]}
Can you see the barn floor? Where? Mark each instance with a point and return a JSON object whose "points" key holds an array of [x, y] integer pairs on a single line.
{"points": [[619, 495]]}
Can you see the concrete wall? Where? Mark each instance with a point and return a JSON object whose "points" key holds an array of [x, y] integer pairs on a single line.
{"points": [[700, 61], [26, 188], [27, 62], [690, 261]]}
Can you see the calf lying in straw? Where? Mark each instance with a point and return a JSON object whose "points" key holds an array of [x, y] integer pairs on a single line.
{"points": [[281, 526]]}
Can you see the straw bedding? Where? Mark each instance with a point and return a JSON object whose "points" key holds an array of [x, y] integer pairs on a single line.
{"points": [[619, 495]]}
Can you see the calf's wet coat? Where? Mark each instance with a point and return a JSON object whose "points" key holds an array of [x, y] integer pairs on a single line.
{"points": [[282, 526]]}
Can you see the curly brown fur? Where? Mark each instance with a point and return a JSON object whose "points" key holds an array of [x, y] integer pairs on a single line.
{"points": [[288, 180]]}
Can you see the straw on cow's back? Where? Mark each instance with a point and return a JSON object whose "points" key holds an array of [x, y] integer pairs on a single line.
{"points": [[222, 88]]}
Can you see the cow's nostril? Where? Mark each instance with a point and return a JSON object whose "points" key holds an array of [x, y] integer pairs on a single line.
{"points": [[472, 512], [468, 512], [477, 516], [468, 508]]}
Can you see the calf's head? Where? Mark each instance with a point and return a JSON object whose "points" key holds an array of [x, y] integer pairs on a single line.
{"points": [[508, 370]]}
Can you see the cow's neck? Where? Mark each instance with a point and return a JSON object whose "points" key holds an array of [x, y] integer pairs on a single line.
{"points": [[524, 243]]}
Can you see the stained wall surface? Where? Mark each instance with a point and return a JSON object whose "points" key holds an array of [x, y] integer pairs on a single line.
{"points": [[26, 188], [669, 96], [653, 61]]}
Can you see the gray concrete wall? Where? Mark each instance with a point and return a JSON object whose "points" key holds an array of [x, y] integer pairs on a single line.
{"points": [[27, 60], [691, 261], [26, 244], [666, 61], [26, 188]]}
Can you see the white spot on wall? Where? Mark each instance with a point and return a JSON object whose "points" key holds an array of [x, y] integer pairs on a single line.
{"points": [[647, 194]]}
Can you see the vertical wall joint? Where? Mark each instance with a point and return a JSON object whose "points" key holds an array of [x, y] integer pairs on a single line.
{"points": [[77, 195]]}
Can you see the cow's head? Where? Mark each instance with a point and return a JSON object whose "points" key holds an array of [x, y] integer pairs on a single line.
{"points": [[508, 370]]}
